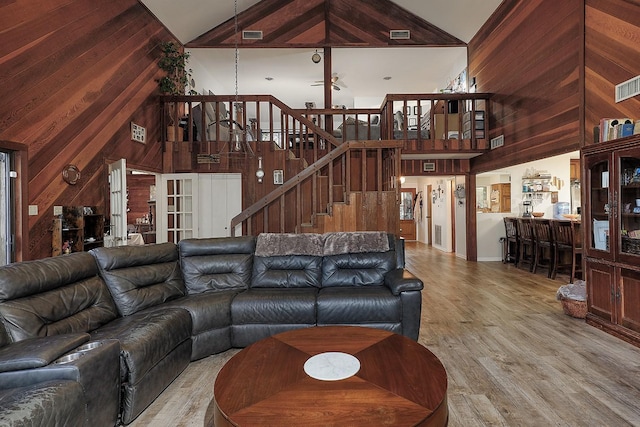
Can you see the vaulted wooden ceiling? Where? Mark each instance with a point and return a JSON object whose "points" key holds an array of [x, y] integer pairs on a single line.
{"points": [[317, 23]]}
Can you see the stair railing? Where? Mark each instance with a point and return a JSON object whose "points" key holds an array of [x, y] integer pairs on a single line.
{"points": [[389, 150]]}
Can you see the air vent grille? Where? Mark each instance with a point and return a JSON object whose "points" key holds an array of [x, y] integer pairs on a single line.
{"points": [[437, 235], [251, 35], [399, 34], [628, 89], [496, 142], [428, 167]]}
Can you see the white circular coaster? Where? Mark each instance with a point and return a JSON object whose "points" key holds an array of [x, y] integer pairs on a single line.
{"points": [[331, 366]]}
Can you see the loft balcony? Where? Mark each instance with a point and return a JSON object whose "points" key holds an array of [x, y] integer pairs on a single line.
{"points": [[223, 128], [333, 169]]}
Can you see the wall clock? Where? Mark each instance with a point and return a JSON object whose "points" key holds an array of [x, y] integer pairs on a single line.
{"points": [[71, 174]]}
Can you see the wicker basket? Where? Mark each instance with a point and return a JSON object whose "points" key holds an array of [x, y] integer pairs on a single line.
{"points": [[573, 308]]}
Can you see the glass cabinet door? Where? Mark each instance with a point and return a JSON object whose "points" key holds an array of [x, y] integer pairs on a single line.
{"points": [[629, 205], [599, 207]]}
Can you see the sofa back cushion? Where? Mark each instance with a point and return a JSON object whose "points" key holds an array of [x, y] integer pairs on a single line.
{"points": [[291, 271], [53, 296], [217, 263], [285, 260], [139, 277], [357, 258]]}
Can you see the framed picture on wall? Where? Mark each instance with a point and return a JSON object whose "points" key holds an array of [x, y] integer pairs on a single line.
{"points": [[415, 110], [408, 110]]}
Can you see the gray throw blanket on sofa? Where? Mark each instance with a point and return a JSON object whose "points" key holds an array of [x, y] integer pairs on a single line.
{"points": [[282, 244]]}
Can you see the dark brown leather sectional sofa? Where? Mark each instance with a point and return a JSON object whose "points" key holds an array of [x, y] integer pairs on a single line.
{"points": [[94, 338]]}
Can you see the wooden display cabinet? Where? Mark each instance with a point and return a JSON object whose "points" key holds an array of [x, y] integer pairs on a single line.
{"points": [[611, 223], [77, 229]]}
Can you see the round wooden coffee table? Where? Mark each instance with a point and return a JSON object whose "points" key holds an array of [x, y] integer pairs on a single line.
{"points": [[397, 381]]}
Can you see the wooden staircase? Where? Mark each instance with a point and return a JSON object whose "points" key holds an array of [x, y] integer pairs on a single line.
{"points": [[332, 183], [327, 195]]}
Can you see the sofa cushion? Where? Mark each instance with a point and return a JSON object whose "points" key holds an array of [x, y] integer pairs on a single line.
{"points": [[50, 403], [358, 269], [358, 305], [53, 296], [211, 316], [139, 277], [274, 306], [211, 310], [297, 271], [216, 263], [285, 260], [146, 338]]}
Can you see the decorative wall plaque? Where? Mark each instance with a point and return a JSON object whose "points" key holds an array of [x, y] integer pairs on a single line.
{"points": [[71, 174]]}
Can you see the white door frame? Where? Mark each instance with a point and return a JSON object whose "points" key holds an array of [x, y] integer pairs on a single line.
{"points": [[118, 204]]}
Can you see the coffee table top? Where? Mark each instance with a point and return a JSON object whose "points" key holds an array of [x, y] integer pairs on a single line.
{"points": [[399, 382]]}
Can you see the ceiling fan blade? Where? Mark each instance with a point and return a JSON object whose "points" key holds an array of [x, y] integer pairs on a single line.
{"points": [[335, 87]]}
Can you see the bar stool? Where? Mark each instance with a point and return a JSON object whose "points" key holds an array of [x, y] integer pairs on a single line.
{"points": [[566, 237], [526, 242], [510, 244], [544, 248]]}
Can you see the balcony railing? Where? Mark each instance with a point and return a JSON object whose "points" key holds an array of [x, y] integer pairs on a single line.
{"points": [[341, 150]]}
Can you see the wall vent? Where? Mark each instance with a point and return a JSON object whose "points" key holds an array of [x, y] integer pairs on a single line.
{"points": [[437, 235], [399, 34], [496, 142], [628, 89], [251, 35], [428, 167]]}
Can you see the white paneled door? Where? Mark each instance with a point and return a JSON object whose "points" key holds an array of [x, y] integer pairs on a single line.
{"points": [[220, 201]]}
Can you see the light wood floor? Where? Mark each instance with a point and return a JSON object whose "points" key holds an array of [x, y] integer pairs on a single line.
{"points": [[512, 357]]}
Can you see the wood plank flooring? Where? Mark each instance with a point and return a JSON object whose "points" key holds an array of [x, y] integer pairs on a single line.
{"points": [[512, 357]]}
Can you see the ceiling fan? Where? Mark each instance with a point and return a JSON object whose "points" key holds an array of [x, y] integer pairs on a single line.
{"points": [[335, 83]]}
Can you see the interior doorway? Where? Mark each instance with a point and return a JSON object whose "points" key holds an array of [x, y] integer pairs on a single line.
{"points": [[141, 205], [436, 219], [407, 213]]}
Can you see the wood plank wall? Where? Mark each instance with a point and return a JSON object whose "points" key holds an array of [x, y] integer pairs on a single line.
{"points": [[332, 23], [612, 55], [415, 167], [74, 74], [529, 56]]}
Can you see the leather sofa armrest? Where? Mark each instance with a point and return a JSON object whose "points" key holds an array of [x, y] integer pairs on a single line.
{"points": [[401, 280], [38, 352]]}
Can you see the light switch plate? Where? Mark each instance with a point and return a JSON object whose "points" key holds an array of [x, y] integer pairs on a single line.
{"points": [[57, 210], [33, 209]]}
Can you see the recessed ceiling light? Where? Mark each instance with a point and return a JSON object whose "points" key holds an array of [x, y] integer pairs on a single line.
{"points": [[386, 78], [268, 78]]}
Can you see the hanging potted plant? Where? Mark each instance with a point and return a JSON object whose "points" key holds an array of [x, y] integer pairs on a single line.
{"points": [[177, 81]]}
